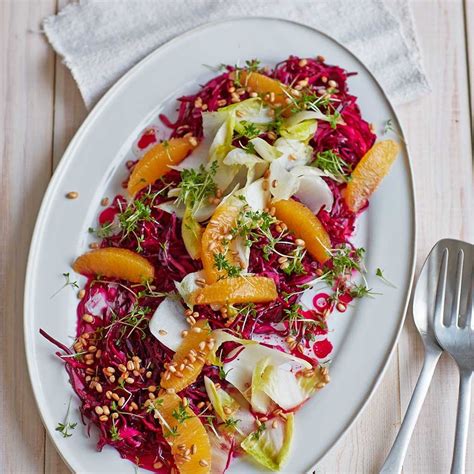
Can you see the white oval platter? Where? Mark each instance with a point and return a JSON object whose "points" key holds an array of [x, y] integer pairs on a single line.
{"points": [[93, 165]]}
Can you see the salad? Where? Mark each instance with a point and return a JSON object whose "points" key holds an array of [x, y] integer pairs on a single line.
{"points": [[202, 327]]}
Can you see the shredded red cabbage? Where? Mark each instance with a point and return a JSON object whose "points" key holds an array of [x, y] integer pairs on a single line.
{"points": [[120, 312]]}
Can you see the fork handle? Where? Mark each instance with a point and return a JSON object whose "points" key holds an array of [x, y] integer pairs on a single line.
{"points": [[462, 422], [394, 462]]}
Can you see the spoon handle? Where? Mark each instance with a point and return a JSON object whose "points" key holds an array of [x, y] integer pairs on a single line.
{"points": [[462, 422], [394, 462]]}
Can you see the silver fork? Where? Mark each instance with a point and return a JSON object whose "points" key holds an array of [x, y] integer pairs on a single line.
{"points": [[454, 329], [423, 312]]}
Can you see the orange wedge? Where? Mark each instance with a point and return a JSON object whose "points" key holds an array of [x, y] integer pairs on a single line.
{"points": [[369, 172], [306, 226], [222, 221], [185, 434], [156, 162], [264, 85], [190, 357], [115, 263], [248, 289]]}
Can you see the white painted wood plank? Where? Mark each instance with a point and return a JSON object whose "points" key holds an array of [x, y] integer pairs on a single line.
{"points": [[438, 132], [26, 106], [69, 113], [363, 448], [469, 12], [438, 135]]}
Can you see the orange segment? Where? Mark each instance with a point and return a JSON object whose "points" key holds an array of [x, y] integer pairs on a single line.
{"points": [[305, 225], [184, 431], [248, 289], [156, 162], [263, 85], [115, 263], [369, 172], [190, 357], [222, 221]]}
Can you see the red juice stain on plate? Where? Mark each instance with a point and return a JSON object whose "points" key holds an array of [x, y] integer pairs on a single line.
{"points": [[109, 213], [343, 302], [322, 348], [148, 137], [345, 298], [320, 328], [321, 301], [309, 314]]}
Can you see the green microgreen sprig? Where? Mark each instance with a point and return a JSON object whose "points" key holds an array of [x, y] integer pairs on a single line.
{"points": [[333, 165], [66, 425], [197, 186]]}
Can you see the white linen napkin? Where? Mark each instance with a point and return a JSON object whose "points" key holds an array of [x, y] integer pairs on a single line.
{"points": [[100, 40]]}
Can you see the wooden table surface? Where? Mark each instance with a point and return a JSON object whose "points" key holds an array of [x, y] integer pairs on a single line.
{"points": [[40, 109]]}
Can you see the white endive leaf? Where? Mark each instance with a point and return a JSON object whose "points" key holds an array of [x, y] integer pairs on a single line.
{"points": [[191, 233], [283, 183], [281, 386], [294, 153], [307, 170], [203, 213], [255, 196], [188, 284], [238, 156], [168, 322], [271, 446], [303, 132], [302, 116], [260, 401], [309, 115], [243, 252], [224, 405], [211, 123], [255, 165], [197, 158], [172, 208], [221, 452], [256, 172], [251, 110], [312, 190], [221, 145], [225, 175], [222, 142], [240, 369], [222, 336], [265, 150], [174, 192]]}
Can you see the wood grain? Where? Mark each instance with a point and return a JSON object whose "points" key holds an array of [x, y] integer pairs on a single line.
{"points": [[438, 131], [469, 25], [26, 117], [40, 110], [69, 113]]}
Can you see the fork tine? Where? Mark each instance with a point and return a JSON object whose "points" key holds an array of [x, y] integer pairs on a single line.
{"points": [[454, 320], [469, 309], [441, 291]]}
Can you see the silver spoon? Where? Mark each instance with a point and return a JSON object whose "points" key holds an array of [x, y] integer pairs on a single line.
{"points": [[454, 329], [423, 314]]}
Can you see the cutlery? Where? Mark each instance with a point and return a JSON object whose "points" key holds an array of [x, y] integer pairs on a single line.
{"points": [[454, 329], [423, 310]]}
